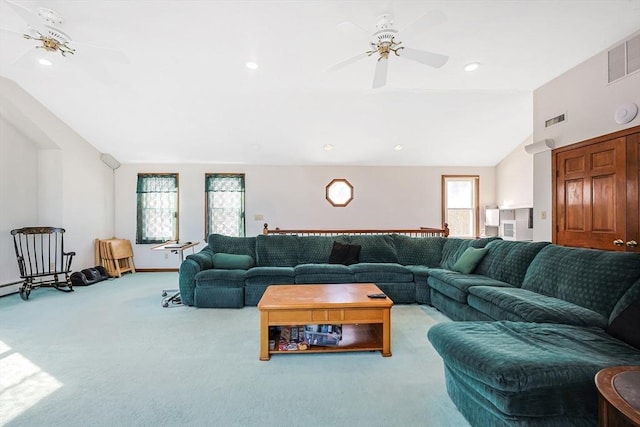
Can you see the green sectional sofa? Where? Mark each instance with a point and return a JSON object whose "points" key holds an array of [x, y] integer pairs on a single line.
{"points": [[398, 264], [574, 312], [534, 321]]}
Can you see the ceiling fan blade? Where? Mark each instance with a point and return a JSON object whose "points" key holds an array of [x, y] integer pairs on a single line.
{"points": [[12, 32], [105, 52], [28, 15], [347, 62], [380, 77], [425, 22], [348, 28], [435, 60]]}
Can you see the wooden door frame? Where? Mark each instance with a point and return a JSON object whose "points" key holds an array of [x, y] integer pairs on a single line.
{"points": [[555, 173]]}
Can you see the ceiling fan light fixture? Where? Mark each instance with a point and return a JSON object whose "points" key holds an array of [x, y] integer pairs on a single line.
{"points": [[471, 66], [49, 16], [398, 147], [251, 65], [327, 147]]}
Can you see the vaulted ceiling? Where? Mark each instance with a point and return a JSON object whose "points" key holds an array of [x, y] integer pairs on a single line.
{"points": [[166, 81]]}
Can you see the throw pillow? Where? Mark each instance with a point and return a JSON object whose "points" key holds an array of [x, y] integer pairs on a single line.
{"points": [[232, 261], [342, 253], [469, 259], [625, 326]]}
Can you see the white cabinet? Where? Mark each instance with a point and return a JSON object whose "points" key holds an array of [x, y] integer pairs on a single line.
{"points": [[510, 224]]}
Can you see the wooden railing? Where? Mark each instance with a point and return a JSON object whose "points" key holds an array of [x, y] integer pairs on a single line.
{"points": [[411, 232]]}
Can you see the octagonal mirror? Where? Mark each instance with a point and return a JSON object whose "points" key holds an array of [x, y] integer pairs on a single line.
{"points": [[339, 192]]}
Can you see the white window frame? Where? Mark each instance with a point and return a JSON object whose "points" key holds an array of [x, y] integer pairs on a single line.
{"points": [[474, 209]]}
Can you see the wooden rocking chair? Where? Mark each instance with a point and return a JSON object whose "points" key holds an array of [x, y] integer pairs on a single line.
{"points": [[42, 259]]}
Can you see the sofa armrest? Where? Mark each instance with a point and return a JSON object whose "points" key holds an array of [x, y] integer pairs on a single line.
{"points": [[204, 258], [192, 265]]}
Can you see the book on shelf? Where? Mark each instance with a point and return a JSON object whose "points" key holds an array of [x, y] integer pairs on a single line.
{"points": [[300, 337]]}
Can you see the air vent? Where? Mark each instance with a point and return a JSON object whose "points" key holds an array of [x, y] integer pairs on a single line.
{"points": [[554, 120], [624, 59]]}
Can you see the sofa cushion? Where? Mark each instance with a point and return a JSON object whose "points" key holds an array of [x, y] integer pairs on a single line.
{"points": [[375, 248], [420, 276], [269, 275], [232, 261], [232, 245], [204, 258], [344, 253], [399, 292], [380, 272], [420, 272], [518, 356], [572, 405], [508, 261], [316, 249], [625, 325], [215, 277], [453, 248], [456, 285], [469, 259], [594, 279], [629, 297], [525, 306], [418, 250], [322, 273], [277, 251]]}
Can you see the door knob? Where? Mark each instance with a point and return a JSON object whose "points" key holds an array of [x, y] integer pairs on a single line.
{"points": [[632, 243], [618, 242]]}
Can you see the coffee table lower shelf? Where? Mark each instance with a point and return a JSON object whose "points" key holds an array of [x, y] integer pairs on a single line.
{"points": [[365, 322], [358, 337]]}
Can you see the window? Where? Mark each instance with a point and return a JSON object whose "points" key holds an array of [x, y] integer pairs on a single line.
{"points": [[157, 207], [224, 194], [339, 192], [460, 204]]}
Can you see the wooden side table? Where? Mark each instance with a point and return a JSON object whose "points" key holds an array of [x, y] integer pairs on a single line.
{"points": [[619, 396]]}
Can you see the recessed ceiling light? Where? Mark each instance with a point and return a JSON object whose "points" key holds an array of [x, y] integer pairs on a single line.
{"points": [[472, 66], [398, 147], [327, 147], [43, 61], [252, 65]]}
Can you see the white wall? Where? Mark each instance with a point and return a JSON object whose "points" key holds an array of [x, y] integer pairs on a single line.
{"points": [[294, 197], [18, 189], [589, 102], [514, 179], [51, 176]]}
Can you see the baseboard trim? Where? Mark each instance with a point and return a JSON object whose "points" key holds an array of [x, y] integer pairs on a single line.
{"points": [[2, 285], [156, 270]]}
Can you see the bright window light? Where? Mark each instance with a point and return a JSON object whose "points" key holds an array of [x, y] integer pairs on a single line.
{"points": [[22, 385]]}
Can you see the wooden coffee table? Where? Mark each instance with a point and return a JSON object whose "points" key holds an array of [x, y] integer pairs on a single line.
{"points": [[366, 321]]}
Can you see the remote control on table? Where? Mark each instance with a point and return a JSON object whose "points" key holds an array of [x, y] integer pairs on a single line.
{"points": [[377, 296]]}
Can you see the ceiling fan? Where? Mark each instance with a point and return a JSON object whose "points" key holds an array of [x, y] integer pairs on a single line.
{"points": [[43, 26], [386, 44]]}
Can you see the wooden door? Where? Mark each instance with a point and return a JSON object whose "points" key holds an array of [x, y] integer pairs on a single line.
{"points": [[632, 239], [591, 195]]}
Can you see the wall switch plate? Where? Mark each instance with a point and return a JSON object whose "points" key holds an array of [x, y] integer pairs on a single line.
{"points": [[543, 214], [258, 217]]}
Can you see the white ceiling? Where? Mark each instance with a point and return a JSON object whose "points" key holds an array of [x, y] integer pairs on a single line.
{"points": [[186, 96]]}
